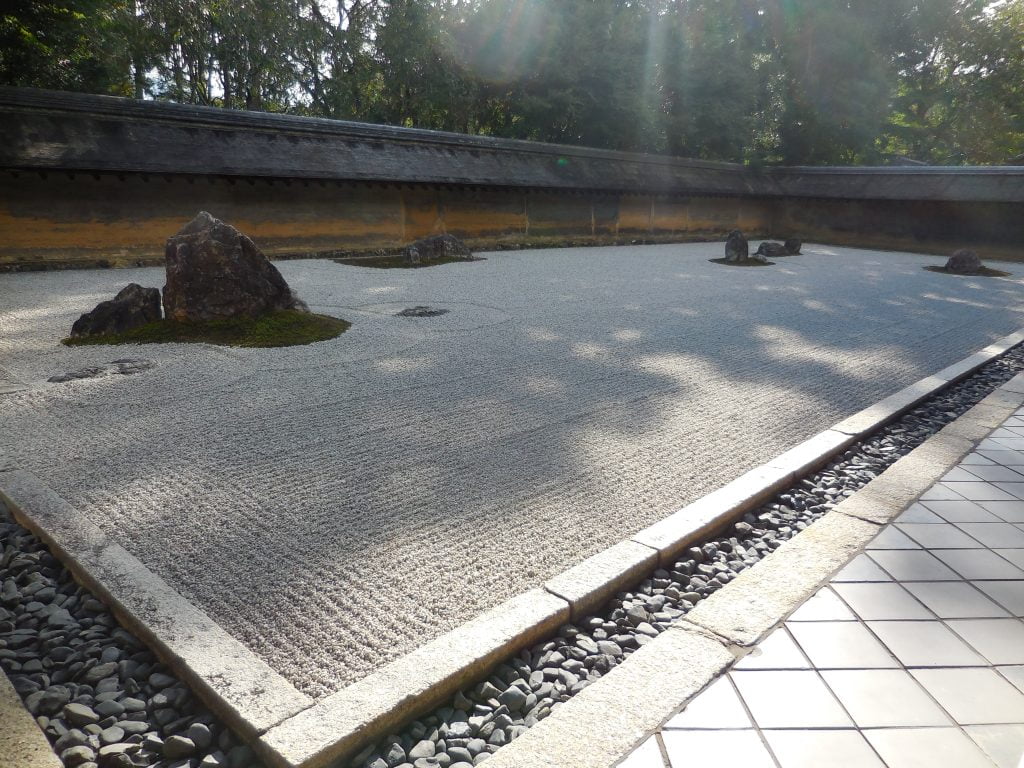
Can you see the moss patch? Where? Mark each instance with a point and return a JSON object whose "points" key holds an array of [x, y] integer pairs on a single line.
{"points": [[285, 328], [400, 262], [744, 263], [983, 272]]}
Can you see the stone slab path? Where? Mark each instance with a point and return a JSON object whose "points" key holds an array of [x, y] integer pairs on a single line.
{"points": [[335, 506], [912, 656]]}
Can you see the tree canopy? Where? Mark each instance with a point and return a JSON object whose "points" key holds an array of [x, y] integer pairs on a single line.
{"points": [[756, 81]]}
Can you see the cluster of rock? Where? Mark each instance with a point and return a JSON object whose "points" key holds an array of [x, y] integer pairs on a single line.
{"points": [[737, 248], [213, 271], [421, 311], [437, 247], [964, 262], [99, 695], [523, 690], [124, 367]]}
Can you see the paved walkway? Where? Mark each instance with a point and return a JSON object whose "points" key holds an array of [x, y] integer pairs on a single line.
{"points": [[912, 657], [336, 505]]}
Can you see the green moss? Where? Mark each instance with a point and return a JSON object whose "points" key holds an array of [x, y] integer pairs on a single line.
{"points": [[744, 263], [400, 262], [983, 272], [285, 328]]}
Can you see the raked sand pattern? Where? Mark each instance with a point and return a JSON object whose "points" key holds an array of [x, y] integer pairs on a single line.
{"points": [[336, 505]]}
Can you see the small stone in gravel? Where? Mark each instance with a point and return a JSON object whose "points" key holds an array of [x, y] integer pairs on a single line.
{"points": [[112, 735], [80, 714], [513, 698], [424, 748], [74, 756], [200, 735], [178, 746], [161, 681]]}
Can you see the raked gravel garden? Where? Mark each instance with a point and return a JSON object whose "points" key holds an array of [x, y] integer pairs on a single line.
{"points": [[607, 382]]}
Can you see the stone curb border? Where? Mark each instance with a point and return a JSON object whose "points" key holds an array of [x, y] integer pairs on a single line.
{"points": [[289, 730], [604, 722], [339, 725], [21, 740], [237, 685]]}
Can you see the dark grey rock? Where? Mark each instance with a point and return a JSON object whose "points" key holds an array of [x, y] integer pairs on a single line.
{"points": [[80, 714], [437, 247], [214, 271], [131, 307], [772, 250], [421, 311], [736, 246], [964, 262], [793, 246]]}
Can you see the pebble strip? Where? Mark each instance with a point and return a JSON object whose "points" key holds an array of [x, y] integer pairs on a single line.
{"points": [[525, 689], [101, 697], [105, 701]]}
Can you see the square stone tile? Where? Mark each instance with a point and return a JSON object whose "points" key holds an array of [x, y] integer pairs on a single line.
{"points": [[997, 474], [790, 699], [862, 568], [744, 748], [1015, 674], [647, 755], [919, 513], [884, 698], [978, 564], [914, 565], [1004, 457], [973, 696], [1009, 594], [995, 534], [980, 491], [777, 651], [1014, 556], [1006, 511], [940, 492], [1001, 641], [717, 706], [1014, 489], [1012, 443], [955, 599], [925, 644], [825, 606], [962, 511], [1004, 744], [926, 748], [841, 645], [962, 475], [976, 460], [882, 601], [944, 536], [891, 538], [815, 749]]}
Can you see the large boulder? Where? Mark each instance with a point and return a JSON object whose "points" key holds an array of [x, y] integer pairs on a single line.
{"points": [[793, 246], [214, 271], [964, 262], [131, 307], [736, 246], [772, 250], [437, 247]]}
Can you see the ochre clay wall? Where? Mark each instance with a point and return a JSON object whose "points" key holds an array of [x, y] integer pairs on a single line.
{"points": [[993, 229], [60, 219]]}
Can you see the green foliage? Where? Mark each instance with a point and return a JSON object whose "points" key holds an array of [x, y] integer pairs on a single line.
{"points": [[755, 81], [285, 328]]}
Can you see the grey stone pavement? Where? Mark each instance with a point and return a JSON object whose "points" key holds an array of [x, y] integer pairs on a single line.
{"points": [[912, 657], [334, 506]]}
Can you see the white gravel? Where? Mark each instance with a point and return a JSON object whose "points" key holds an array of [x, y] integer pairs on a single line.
{"points": [[334, 506]]}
